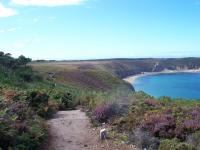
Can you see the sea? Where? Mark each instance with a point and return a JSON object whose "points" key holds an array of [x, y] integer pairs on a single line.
{"points": [[174, 85]]}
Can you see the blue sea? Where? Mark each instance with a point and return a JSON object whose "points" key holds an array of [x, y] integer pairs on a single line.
{"points": [[175, 85]]}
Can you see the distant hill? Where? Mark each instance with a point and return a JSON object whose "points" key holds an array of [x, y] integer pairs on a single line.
{"points": [[126, 67]]}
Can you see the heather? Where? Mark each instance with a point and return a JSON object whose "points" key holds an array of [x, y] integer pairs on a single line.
{"points": [[162, 123]]}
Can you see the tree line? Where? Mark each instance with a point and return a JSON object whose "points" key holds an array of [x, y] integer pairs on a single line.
{"points": [[6, 60]]}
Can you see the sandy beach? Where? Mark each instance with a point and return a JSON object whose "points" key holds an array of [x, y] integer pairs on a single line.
{"points": [[131, 79]]}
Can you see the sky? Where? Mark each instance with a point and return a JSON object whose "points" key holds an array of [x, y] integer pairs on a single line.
{"points": [[96, 29]]}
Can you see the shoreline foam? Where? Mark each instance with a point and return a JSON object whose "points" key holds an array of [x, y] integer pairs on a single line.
{"points": [[132, 79]]}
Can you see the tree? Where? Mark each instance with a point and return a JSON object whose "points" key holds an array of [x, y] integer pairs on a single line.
{"points": [[1, 53], [8, 55], [7, 60], [22, 60]]}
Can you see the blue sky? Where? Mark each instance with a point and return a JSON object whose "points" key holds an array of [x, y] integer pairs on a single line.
{"points": [[88, 29]]}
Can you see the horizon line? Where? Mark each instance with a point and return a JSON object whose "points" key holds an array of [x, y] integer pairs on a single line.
{"points": [[102, 59]]}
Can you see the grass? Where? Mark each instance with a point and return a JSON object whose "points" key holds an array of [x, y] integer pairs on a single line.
{"points": [[90, 76]]}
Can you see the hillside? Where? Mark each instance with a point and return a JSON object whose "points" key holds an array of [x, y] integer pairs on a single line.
{"points": [[115, 67], [87, 74], [32, 93]]}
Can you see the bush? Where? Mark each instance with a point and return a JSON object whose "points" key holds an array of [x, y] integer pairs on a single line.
{"points": [[194, 139], [175, 144], [25, 74], [10, 94], [64, 99], [67, 100], [41, 104], [191, 125], [20, 127], [168, 144], [52, 109], [185, 146], [104, 112], [160, 125], [143, 139], [35, 99], [151, 102]]}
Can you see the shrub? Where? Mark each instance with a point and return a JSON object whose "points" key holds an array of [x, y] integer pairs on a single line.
{"points": [[35, 99], [32, 139], [187, 127], [168, 144], [39, 102], [25, 74], [9, 94], [191, 125], [185, 146], [67, 100], [20, 127], [143, 139], [104, 112], [195, 113], [175, 144], [47, 111], [194, 139], [160, 125], [151, 102], [52, 108]]}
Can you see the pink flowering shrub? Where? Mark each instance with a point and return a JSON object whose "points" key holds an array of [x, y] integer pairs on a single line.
{"points": [[191, 125], [195, 113], [151, 102], [160, 125], [104, 112]]}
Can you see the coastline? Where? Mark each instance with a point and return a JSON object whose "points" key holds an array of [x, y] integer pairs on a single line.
{"points": [[132, 79]]}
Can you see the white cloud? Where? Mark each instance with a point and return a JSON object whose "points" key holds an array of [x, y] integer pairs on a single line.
{"points": [[6, 12], [49, 3]]}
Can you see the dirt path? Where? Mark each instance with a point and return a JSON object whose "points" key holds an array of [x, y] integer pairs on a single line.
{"points": [[70, 130]]}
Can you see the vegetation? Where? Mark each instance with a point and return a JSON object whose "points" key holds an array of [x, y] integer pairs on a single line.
{"points": [[86, 75], [32, 92], [20, 126], [149, 123], [120, 67], [28, 98], [162, 124]]}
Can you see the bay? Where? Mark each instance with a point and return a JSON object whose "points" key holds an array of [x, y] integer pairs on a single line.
{"points": [[175, 85]]}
